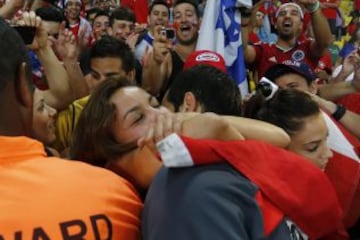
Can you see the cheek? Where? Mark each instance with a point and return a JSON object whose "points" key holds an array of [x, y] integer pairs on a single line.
{"points": [[130, 134], [88, 80], [39, 118], [118, 31], [296, 147], [135, 133], [94, 82], [313, 157], [40, 124]]}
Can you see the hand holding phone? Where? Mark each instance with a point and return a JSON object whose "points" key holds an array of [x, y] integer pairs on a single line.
{"points": [[27, 33]]}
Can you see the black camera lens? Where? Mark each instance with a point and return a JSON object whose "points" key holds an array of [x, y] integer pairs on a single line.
{"points": [[265, 89], [170, 33]]}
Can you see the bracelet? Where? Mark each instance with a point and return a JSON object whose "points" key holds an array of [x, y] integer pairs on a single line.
{"points": [[339, 112], [314, 7]]}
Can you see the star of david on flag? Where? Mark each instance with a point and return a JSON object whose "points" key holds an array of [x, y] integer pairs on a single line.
{"points": [[220, 31]]}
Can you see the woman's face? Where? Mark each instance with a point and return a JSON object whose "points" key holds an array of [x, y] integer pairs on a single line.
{"points": [[136, 111], [43, 119], [310, 141]]}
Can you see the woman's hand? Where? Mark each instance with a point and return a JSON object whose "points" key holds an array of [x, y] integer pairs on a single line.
{"points": [[165, 124]]}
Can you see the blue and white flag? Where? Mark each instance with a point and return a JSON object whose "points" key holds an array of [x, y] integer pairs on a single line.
{"points": [[220, 32]]}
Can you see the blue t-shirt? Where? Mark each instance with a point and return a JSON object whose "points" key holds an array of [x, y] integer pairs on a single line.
{"points": [[346, 50]]}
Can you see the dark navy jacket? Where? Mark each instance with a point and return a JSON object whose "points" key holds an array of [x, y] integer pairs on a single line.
{"points": [[204, 203]]}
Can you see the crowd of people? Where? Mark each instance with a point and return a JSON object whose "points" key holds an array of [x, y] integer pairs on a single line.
{"points": [[116, 126]]}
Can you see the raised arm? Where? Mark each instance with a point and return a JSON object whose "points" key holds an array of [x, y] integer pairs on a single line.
{"points": [[69, 50], [320, 26], [156, 64], [59, 94], [339, 87], [348, 119], [247, 21]]}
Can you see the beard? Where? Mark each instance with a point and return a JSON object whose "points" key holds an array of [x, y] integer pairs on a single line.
{"points": [[190, 41], [286, 36]]}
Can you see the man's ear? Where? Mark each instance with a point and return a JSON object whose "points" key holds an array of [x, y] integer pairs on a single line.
{"points": [[23, 92], [190, 102]]}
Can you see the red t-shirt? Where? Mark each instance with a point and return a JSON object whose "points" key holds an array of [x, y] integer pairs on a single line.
{"points": [[253, 38], [351, 28], [268, 55], [140, 8], [329, 13], [356, 5]]}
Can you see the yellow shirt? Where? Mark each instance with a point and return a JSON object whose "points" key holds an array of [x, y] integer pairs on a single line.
{"points": [[66, 122], [53, 198]]}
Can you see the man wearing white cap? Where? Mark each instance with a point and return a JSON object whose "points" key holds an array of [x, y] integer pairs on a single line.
{"points": [[289, 22], [76, 23]]}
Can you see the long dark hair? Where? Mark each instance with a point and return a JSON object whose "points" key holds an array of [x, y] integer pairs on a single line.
{"points": [[286, 109], [93, 140]]}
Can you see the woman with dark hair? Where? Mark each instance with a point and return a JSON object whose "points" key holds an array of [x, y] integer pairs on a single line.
{"points": [[300, 117], [120, 117], [119, 125]]}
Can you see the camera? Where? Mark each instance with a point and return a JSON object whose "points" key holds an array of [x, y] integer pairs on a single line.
{"points": [[267, 88], [26, 33], [169, 33]]}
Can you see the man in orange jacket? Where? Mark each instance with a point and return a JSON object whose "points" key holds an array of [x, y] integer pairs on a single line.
{"points": [[51, 198]]}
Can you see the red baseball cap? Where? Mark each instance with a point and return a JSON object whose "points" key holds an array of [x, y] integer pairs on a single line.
{"points": [[205, 57]]}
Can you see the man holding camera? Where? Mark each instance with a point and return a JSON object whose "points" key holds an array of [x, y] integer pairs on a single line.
{"points": [[161, 66], [158, 16]]}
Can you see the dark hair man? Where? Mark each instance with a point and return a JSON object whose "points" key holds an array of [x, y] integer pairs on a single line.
{"points": [[108, 57], [158, 15], [204, 88], [164, 64], [122, 23]]}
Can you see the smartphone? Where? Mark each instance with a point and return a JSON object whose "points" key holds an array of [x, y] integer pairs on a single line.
{"points": [[27, 33], [169, 33]]}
